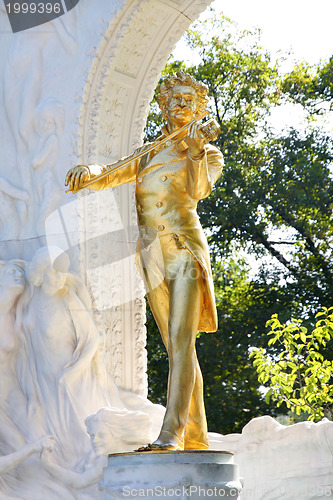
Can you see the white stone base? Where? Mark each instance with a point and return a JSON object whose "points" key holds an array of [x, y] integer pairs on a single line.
{"points": [[184, 474]]}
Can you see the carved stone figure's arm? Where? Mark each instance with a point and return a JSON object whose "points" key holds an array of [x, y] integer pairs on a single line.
{"points": [[11, 461], [25, 364], [203, 170], [75, 479]]}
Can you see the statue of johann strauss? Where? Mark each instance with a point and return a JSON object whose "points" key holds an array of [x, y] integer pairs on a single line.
{"points": [[171, 176]]}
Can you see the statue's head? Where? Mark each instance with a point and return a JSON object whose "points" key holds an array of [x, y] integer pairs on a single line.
{"points": [[49, 268], [12, 279], [113, 430], [181, 98]]}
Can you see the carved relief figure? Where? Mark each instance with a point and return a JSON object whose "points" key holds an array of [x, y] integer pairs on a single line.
{"points": [[63, 352], [10, 462], [26, 73], [111, 431], [12, 400], [49, 120], [171, 176]]}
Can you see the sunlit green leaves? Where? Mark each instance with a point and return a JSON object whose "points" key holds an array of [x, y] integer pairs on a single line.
{"points": [[300, 376]]}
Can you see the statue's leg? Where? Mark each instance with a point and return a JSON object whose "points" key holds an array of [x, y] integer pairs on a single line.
{"points": [[159, 304], [196, 437], [184, 283], [196, 426]]}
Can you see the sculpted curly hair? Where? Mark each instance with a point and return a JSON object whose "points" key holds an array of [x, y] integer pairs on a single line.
{"points": [[184, 79]]}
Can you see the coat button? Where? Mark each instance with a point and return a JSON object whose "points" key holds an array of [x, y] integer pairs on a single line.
{"points": [[160, 227], [140, 180], [168, 143], [163, 178], [182, 238], [159, 204]]}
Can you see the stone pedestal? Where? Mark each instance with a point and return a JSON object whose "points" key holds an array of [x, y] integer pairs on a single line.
{"points": [[184, 474]]}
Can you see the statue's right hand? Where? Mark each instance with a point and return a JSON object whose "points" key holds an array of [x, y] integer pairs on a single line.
{"points": [[47, 445], [76, 177]]}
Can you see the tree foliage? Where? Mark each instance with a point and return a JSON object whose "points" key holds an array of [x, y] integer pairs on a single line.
{"points": [[298, 375], [272, 203], [310, 86]]}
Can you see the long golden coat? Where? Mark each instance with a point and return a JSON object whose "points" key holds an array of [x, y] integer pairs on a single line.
{"points": [[169, 184]]}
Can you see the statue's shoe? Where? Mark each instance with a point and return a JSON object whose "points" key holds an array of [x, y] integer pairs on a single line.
{"points": [[167, 442]]}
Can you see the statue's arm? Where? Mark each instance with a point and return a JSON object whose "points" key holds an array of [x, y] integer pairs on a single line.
{"points": [[71, 478], [78, 176], [203, 170], [9, 462]]}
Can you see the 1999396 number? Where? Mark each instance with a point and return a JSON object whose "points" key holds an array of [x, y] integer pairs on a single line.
{"points": [[33, 8]]}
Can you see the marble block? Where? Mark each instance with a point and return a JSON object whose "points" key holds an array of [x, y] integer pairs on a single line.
{"points": [[184, 474], [279, 462]]}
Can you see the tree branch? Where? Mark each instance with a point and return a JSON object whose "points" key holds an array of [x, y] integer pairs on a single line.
{"points": [[260, 238]]}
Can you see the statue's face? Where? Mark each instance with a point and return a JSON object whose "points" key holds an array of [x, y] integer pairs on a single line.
{"points": [[12, 278], [101, 439], [182, 105]]}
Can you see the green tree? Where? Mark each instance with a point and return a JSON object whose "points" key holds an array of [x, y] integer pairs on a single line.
{"points": [[311, 86], [298, 375], [273, 202]]}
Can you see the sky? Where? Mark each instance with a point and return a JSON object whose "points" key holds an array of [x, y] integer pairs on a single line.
{"points": [[301, 27]]}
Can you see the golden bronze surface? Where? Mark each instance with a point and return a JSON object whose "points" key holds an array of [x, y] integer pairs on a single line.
{"points": [[172, 174]]}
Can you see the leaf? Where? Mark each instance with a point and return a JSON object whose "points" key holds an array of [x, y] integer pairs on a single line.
{"points": [[268, 395], [303, 337]]}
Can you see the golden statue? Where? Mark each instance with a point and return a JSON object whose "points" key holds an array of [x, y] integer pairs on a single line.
{"points": [[172, 174]]}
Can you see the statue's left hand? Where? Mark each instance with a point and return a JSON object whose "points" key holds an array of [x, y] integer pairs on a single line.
{"points": [[45, 447], [195, 139]]}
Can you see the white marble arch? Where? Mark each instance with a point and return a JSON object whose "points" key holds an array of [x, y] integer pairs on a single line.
{"points": [[98, 64]]}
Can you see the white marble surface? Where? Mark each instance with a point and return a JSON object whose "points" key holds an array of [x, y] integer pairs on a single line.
{"points": [[282, 462]]}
